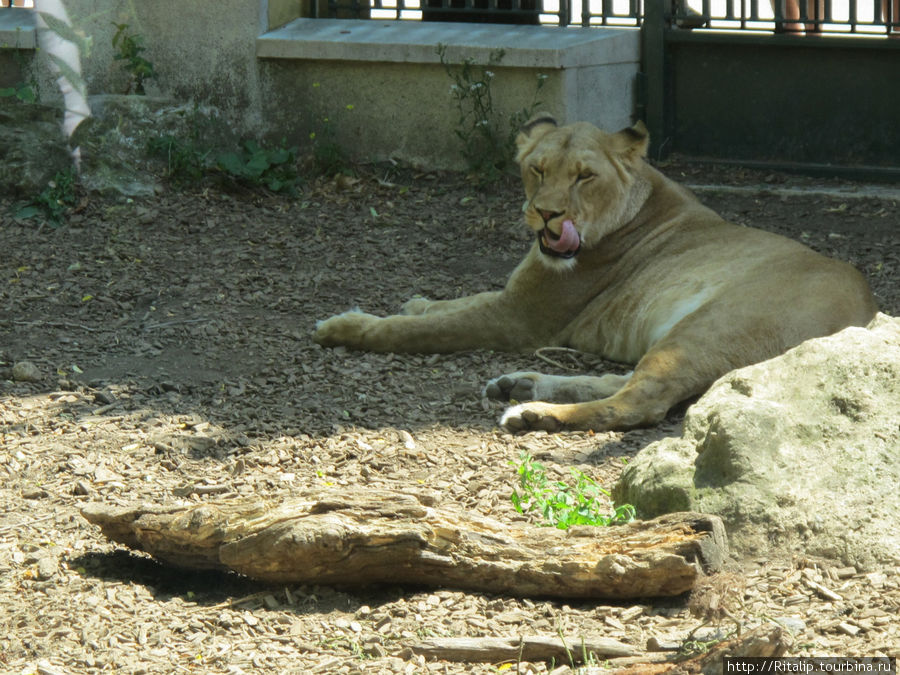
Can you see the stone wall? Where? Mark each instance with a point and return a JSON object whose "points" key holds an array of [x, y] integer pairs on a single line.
{"points": [[237, 56]]}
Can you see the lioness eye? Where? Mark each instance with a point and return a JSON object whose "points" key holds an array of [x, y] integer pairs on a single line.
{"points": [[585, 175], [537, 171]]}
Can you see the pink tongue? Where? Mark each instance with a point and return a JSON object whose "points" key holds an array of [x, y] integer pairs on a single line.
{"points": [[568, 239]]}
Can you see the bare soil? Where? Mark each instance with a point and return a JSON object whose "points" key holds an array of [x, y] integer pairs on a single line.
{"points": [[172, 342]]}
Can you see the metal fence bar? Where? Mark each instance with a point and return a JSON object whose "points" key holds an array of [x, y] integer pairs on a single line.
{"points": [[844, 17], [812, 16]]}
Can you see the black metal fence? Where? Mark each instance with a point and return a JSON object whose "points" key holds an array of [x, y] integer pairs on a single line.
{"points": [[547, 12], [790, 16], [845, 17], [812, 17]]}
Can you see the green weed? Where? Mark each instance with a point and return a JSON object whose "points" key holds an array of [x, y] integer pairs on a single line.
{"points": [[190, 156], [53, 201], [275, 168], [328, 156], [563, 505], [22, 91], [129, 49], [187, 153], [488, 140], [185, 158]]}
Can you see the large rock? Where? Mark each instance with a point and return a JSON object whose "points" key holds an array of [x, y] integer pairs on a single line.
{"points": [[113, 142], [800, 453], [32, 147]]}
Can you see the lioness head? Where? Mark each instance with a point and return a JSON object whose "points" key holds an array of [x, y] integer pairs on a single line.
{"points": [[580, 183]]}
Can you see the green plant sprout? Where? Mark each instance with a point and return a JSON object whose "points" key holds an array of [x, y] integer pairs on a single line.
{"points": [[488, 140], [21, 91], [130, 48], [54, 200], [561, 504], [184, 159], [275, 169], [186, 153], [190, 156], [328, 156]]}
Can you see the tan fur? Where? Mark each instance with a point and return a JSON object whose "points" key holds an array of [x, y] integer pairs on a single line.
{"points": [[660, 281]]}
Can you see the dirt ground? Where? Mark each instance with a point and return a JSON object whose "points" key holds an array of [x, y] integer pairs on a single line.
{"points": [[172, 341]]}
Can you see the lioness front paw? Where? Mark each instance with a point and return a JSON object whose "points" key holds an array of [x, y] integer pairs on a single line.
{"points": [[347, 329], [512, 387], [530, 417]]}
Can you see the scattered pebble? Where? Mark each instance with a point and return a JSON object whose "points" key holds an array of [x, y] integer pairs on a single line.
{"points": [[47, 568], [26, 371]]}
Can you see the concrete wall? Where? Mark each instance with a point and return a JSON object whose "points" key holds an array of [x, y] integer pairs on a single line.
{"points": [[391, 73], [258, 63], [17, 42], [399, 110]]}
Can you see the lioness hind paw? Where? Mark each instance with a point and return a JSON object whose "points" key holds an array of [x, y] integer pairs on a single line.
{"points": [[526, 418], [510, 388]]}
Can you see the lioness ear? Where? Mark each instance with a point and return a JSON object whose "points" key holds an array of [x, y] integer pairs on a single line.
{"points": [[633, 141], [532, 131]]}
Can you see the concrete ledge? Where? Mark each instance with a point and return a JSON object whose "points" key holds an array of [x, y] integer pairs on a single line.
{"points": [[390, 74], [17, 29], [415, 42]]}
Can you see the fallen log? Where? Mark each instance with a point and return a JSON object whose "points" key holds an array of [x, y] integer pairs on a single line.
{"points": [[526, 648], [769, 640], [389, 536]]}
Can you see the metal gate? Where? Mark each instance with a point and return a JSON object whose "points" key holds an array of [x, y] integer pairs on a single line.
{"points": [[812, 84]]}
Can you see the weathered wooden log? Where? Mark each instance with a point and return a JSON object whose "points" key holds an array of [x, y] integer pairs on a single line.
{"points": [[525, 648], [769, 640], [386, 536]]}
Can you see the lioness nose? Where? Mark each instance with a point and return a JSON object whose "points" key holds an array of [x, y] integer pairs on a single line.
{"points": [[548, 215]]}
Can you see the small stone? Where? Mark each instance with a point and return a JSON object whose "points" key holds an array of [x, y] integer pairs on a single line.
{"points": [[794, 624], [104, 397], [613, 622], [46, 568], [34, 493], [83, 488], [631, 613], [844, 572], [662, 644], [877, 579], [103, 475], [44, 668], [848, 629], [375, 650], [26, 371]]}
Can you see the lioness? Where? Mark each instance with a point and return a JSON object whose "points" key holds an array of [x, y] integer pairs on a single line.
{"points": [[630, 266]]}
